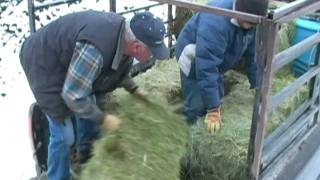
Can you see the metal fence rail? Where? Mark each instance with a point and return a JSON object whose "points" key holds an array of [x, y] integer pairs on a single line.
{"points": [[295, 9], [262, 155], [215, 10]]}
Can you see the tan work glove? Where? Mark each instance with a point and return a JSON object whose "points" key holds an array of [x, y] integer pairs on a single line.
{"points": [[111, 122], [213, 120]]}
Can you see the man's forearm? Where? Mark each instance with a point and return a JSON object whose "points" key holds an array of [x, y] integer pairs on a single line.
{"points": [[84, 108], [129, 85]]}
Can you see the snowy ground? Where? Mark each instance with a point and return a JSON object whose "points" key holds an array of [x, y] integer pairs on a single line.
{"points": [[15, 95]]}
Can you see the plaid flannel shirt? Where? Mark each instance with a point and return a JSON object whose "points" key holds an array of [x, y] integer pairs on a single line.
{"points": [[85, 66]]}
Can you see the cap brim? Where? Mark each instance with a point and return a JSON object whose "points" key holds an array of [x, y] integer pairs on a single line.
{"points": [[160, 52]]}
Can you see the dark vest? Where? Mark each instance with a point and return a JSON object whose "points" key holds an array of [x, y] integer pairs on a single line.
{"points": [[47, 53]]}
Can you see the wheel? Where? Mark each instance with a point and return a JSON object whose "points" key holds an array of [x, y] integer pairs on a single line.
{"points": [[39, 133]]}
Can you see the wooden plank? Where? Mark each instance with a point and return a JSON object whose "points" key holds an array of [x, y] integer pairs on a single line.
{"points": [[295, 51], [292, 88], [47, 4], [210, 9], [32, 22], [291, 119], [141, 8], [307, 9], [265, 49], [282, 142]]}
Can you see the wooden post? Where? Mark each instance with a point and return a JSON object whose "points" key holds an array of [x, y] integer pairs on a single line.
{"points": [[32, 23], [265, 52], [113, 5], [170, 27]]}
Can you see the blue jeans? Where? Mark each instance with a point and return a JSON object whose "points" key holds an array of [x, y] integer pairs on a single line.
{"points": [[192, 100], [62, 137], [194, 105]]}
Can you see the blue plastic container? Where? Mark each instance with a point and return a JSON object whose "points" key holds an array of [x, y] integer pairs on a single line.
{"points": [[304, 29]]}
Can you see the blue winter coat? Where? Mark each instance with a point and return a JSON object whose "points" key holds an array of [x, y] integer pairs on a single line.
{"points": [[219, 47]]}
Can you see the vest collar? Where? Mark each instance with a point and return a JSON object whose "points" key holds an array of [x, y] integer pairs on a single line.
{"points": [[119, 52]]}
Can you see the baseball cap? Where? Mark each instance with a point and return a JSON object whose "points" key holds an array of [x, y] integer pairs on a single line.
{"points": [[257, 7], [150, 31]]}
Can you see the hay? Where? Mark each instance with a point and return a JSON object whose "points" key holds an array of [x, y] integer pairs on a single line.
{"points": [[150, 142], [285, 36], [222, 156], [148, 145], [218, 157]]}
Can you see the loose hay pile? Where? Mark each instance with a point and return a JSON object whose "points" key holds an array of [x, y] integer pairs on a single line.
{"points": [[148, 145], [222, 156], [131, 152], [150, 142]]}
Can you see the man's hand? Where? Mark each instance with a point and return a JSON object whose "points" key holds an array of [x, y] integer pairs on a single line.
{"points": [[111, 122], [139, 94], [213, 120]]}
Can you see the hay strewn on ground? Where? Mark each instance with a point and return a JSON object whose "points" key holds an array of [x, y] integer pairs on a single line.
{"points": [[218, 157], [222, 156], [149, 143]]}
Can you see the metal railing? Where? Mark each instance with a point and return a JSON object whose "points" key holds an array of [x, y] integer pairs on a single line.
{"points": [[262, 153], [32, 8], [299, 122]]}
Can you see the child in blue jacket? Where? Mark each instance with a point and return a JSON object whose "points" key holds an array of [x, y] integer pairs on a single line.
{"points": [[207, 47]]}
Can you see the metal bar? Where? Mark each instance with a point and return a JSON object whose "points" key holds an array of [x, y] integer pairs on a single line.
{"points": [[47, 4], [287, 164], [290, 89], [293, 52], [112, 6], [291, 119], [282, 142], [32, 22], [265, 49], [315, 95], [142, 8], [306, 9], [170, 27], [315, 83], [215, 10], [288, 8]]}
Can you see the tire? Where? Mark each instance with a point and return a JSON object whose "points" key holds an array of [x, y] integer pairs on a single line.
{"points": [[39, 133]]}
